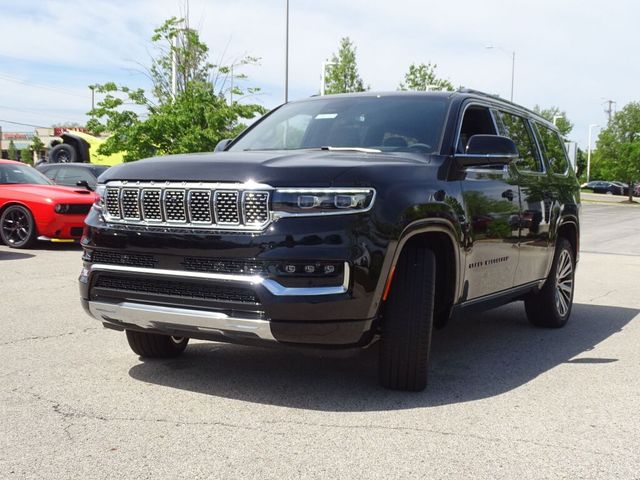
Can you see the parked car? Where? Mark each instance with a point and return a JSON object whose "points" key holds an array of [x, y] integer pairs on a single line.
{"points": [[33, 208], [601, 186], [336, 221], [73, 174]]}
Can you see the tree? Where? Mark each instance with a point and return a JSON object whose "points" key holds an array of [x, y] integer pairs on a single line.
{"points": [[36, 146], [423, 77], [26, 156], [11, 151], [618, 145], [195, 120], [342, 75], [562, 122]]}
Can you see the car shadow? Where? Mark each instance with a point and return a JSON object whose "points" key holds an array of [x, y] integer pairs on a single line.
{"points": [[13, 255], [473, 358]]}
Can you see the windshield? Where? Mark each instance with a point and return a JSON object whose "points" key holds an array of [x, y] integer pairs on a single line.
{"points": [[14, 173], [385, 123]]}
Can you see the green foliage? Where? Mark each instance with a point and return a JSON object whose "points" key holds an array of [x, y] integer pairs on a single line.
{"points": [[36, 144], [11, 151], [26, 156], [342, 76], [158, 124], [423, 77], [618, 146], [562, 122]]}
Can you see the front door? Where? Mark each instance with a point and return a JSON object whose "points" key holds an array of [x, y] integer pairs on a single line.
{"points": [[492, 205]]}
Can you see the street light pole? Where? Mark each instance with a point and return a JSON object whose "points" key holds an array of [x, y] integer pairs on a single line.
{"points": [[589, 151], [323, 76], [513, 63], [286, 58]]}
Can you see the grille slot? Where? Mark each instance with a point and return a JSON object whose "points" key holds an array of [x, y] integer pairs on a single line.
{"points": [[112, 202], [130, 203], [255, 207], [226, 204], [218, 265], [198, 205], [118, 258], [151, 205], [176, 288]]}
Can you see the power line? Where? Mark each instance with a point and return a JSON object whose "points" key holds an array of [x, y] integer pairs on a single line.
{"points": [[10, 78], [23, 124]]}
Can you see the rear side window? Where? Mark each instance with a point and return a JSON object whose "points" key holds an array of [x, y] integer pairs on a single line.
{"points": [[517, 129], [553, 149]]}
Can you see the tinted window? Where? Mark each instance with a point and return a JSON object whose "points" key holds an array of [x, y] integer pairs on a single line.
{"points": [[517, 129], [72, 175], [15, 173], [553, 149], [476, 120], [393, 123]]}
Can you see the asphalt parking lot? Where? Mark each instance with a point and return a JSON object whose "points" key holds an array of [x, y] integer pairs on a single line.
{"points": [[505, 400]]}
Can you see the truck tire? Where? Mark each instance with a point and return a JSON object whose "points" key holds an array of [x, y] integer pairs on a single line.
{"points": [[551, 306], [63, 153], [153, 345], [408, 322]]}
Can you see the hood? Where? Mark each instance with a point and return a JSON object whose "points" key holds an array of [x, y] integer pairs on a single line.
{"points": [[56, 193], [275, 168]]}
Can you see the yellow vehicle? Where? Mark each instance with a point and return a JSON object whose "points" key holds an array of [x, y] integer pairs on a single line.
{"points": [[81, 147]]}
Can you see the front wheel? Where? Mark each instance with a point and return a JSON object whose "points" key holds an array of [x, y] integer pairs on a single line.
{"points": [[17, 228], [62, 153], [153, 345], [551, 306], [408, 322]]}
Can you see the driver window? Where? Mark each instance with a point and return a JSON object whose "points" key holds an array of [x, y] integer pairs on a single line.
{"points": [[477, 120]]}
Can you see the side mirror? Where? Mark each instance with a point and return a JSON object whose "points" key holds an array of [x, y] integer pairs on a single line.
{"points": [[222, 144], [85, 184], [488, 150]]}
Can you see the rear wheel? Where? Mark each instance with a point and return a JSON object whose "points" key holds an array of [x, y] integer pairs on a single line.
{"points": [[17, 228], [62, 153], [408, 322], [551, 306], [153, 345]]}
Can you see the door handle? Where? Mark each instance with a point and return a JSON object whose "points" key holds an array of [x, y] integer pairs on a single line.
{"points": [[508, 194]]}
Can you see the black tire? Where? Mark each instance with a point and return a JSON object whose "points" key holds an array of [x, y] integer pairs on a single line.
{"points": [[63, 153], [17, 228], [153, 345], [408, 322], [551, 306]]}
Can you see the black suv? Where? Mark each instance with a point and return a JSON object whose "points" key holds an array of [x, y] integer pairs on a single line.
{"points": [[336, 221]]}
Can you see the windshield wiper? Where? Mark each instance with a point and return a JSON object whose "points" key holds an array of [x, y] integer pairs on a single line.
{"points": [[351, 149]]}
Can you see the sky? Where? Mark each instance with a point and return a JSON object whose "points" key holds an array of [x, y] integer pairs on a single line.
{"points": [[572, 54]]}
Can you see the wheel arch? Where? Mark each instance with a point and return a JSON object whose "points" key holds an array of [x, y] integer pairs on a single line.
{"points": [[441, 237], [568, 228]]}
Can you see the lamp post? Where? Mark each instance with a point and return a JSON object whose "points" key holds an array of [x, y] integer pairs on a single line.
{"points": [[286, 58], [323, 76], [589, 150], [513, 63]]}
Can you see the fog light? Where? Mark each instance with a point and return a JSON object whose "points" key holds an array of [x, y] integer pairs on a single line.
{"points": [[309, 268], [329, 269], [290, 268]]}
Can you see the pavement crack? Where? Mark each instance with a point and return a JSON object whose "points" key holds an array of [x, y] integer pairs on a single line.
{"points": [[47, 337], [601, 296]]}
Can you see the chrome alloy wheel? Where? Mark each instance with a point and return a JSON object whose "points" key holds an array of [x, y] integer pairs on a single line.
{"points": [[564, 283]]}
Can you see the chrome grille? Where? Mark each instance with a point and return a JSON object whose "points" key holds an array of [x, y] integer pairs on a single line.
{"points": [[151, 205], [112, 202], [201, 205], [130, 204], [226, 205]]}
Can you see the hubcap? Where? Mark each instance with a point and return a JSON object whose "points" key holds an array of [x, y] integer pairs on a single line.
{"points": [[16, 227], [564, 283]]}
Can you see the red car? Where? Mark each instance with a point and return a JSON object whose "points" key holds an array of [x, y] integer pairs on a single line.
{"points": [[33, 208]]}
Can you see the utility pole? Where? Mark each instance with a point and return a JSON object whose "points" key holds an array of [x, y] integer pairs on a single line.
{"points": [[609, 109]]}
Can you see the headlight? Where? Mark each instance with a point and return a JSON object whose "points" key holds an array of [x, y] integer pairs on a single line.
{"points": [[99, 192], [62, 208], [322, 201]]}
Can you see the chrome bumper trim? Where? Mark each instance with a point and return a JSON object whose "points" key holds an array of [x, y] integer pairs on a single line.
{"points": [[253, 280], [155, 316]]}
